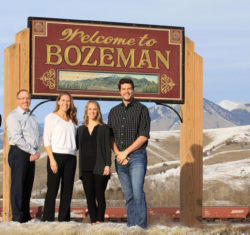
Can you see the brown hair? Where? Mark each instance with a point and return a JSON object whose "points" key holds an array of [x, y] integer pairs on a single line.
{"points": [[99, 114], [125, 80], [72, 111]]}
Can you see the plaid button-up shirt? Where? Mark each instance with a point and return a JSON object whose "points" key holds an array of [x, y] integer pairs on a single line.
{"points": [[128, 123]]}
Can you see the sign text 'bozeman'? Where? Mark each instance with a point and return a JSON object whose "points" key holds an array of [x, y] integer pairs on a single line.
{"points": [[88, 59]]}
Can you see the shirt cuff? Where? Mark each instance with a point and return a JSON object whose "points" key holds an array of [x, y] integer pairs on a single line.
{"points": [[33, 151]]}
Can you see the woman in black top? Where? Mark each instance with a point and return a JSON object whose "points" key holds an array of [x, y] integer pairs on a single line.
{"points": [[93, 141]]}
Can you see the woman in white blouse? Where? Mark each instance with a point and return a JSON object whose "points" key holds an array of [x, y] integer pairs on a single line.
{"points": [[60, 144]]}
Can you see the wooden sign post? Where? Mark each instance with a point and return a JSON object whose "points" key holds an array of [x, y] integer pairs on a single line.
{"points": [[191, 139], [16, 76]]}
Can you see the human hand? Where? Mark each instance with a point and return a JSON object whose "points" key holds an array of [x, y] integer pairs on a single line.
{"points": [[34, 157], [122, 157], [53, 166], [125, 161], [106, 170]]}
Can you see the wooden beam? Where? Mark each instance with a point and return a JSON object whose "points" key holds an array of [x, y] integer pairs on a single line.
{"points": [[11, 86], [22, 38], [16, 77], [191, 140]]}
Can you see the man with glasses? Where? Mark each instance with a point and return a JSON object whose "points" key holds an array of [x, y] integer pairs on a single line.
{"points": [[24, 140]]}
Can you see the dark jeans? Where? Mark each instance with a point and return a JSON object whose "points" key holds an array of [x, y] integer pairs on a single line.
{"points": [[94, 187], [66, 173], [22, 178]]}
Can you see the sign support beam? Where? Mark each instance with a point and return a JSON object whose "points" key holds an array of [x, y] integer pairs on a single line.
{"points": [[191, 140], [16, 77]]}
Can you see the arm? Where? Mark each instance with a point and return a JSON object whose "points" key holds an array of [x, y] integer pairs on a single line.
{"points": [[108, 151], [77, 138], [53, 164], [14, 131], [47, 135], [122, 157], [114, 146], [36, 156]]}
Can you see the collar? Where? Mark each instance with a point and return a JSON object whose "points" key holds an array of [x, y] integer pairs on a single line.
{"points": [[130, 104], [21, 111]]}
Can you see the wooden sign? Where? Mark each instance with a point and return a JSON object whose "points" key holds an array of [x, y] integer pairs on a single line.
{"points": [[89, 58]]}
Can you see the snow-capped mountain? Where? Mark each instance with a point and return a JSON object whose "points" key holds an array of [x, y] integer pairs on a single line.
{"points": [[232, 105], [214, 116]]}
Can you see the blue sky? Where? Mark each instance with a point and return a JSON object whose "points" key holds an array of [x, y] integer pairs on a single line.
{"points": [[220, 30]]}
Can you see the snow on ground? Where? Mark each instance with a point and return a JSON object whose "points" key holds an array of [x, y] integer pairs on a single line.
{"points": [[77, 228], [164, 134], [228, 152], [232, 172], [167, 163], [43, 155], [220, 135]]}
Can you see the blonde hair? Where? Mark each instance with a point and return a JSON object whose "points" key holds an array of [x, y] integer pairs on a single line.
{"points": [[72, 111], [99, 114]]}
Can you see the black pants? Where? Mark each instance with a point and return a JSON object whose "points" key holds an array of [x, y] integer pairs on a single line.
{"points": [[22, 178], [66, 172], [94, 187]]}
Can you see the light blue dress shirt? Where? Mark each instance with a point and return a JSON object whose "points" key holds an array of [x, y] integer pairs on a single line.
{"points": [[23, 130]]}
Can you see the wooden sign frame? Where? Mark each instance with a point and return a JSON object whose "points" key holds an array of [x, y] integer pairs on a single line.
{"points": [[88, 58]]}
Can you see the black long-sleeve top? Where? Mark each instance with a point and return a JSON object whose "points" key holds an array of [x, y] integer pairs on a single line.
{"points": [[103, 148]]}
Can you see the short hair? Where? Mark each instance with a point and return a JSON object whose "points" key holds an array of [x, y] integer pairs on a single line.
{"points": [[125, 80], [20, 91]]}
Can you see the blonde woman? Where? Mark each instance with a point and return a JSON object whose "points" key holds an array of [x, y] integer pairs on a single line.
{"points": [[59, 140], [93, 140]]}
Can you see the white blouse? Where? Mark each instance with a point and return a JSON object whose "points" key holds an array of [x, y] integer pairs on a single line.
{"points": [[59, 134]]}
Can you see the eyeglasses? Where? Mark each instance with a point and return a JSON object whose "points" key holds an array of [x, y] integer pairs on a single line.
{"points": [[24, 98]]}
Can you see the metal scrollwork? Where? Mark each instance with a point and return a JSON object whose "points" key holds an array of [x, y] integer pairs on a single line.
{"points": [[167, 84], [48, 79]]}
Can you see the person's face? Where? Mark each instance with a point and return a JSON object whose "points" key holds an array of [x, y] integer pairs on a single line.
{"points": [[92, 111], [24, 100], [127, 92], [64, 103]]}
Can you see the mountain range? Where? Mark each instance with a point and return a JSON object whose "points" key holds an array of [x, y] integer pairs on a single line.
{"points": [[108, 83], [223, 114]]}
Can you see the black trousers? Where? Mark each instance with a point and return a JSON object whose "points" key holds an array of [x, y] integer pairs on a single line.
{"points": [[66, 172], [22, 178], [94, 187]]}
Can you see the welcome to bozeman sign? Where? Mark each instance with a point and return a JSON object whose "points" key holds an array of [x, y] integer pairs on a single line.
{"points": [[88, 58]]}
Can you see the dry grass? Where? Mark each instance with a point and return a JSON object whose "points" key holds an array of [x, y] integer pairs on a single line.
{"points": [[74, 228], [217, 191], [227, 157], [167, 193]]}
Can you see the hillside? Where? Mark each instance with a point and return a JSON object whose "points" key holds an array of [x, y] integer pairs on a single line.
{"points": [[108, 83], [226, 170], [214, 116]]}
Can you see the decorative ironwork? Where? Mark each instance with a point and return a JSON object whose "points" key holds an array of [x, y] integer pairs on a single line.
{"points": [[48, 79], [167, 84]]}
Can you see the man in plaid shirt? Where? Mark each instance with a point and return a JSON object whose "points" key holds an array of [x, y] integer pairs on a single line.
{"points": [[130, 126]]}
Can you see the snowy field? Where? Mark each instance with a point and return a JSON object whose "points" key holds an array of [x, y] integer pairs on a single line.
{"points": [[232, 172], [77, 228]]}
